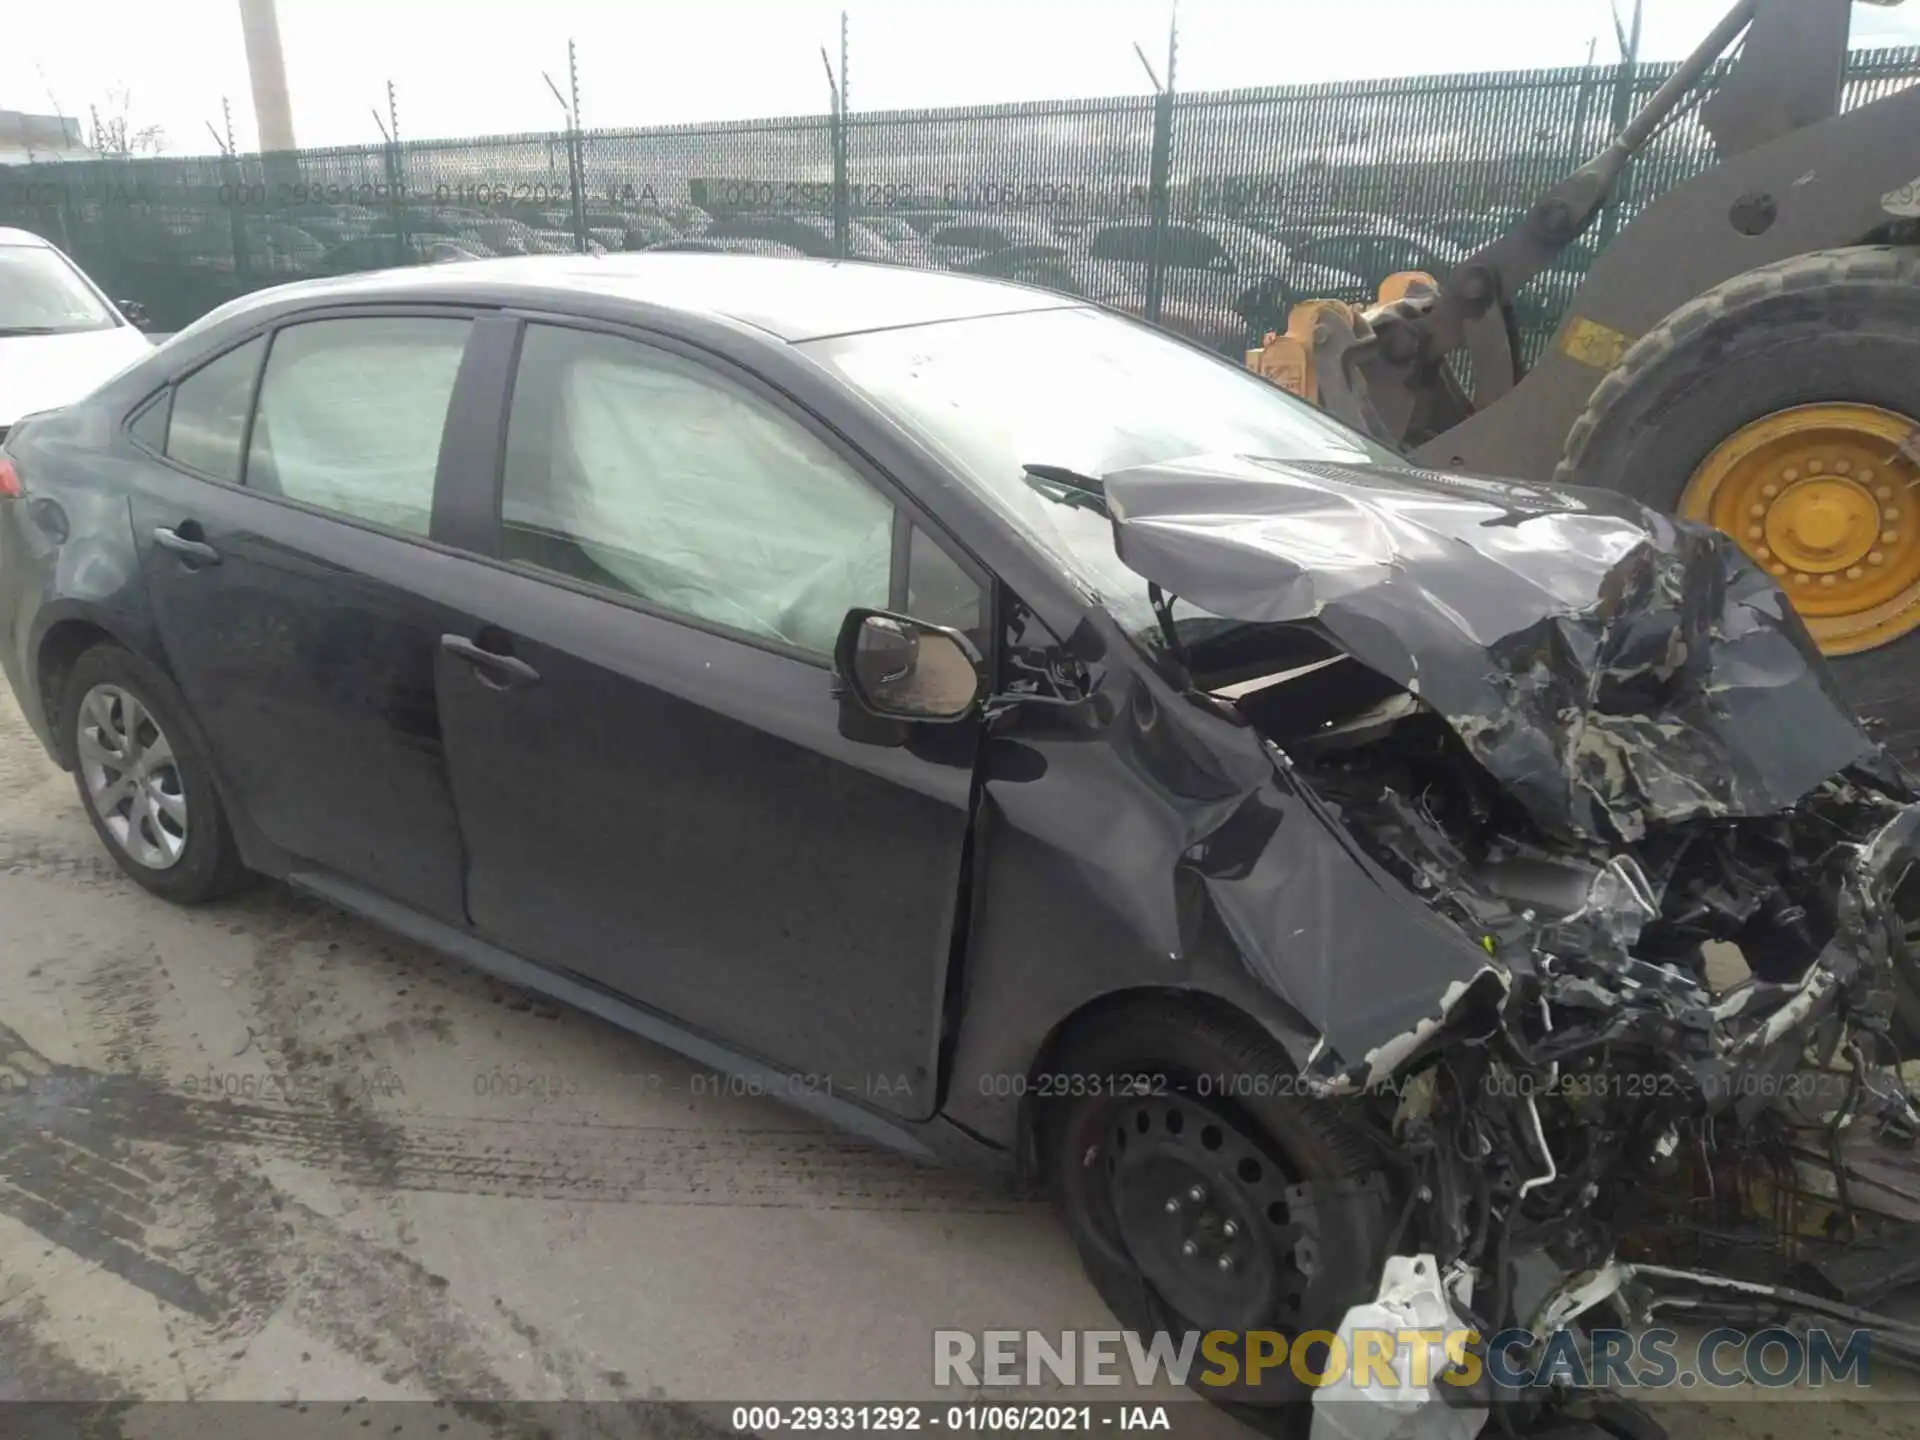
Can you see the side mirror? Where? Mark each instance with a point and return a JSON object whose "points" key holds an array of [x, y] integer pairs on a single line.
{"points": [[899, 668], [135, 312]]}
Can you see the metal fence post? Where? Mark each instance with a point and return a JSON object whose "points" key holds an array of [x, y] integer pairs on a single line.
{"points": [[235, 185], [1160, 172], [837, 141], [576, 155], [1158, 201], [396, 172], [70, 230], [577, 179], [397, 198]]}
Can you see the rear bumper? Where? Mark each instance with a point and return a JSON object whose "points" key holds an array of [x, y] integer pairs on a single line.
{"points": [[24, 569]]}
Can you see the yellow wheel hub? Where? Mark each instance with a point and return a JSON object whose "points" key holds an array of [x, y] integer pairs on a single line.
{"points": [[1827, 499]]}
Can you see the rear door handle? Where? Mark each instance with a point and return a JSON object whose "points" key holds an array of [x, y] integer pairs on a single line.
{"points": [[195, 550], [502, 672]]}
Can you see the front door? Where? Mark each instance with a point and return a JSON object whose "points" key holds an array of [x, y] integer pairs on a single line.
{"points": [[644, 737], [284, 589]]}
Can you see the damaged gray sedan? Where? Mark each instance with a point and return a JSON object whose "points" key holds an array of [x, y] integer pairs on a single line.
{"points": [[1030, 741], [1474, 776]]}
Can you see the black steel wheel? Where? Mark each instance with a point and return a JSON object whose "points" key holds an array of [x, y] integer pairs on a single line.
{"points": [[1204, 1197]]}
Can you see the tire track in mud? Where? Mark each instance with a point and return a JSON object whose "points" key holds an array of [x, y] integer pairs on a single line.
{"points": [[162, 1190], [569, 1160], [111, 1166], [118, 1171], [31, 1369]]}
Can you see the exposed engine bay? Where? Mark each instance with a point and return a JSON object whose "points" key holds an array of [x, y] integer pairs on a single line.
{"points": [[1604, 1101], [1607, 754]]}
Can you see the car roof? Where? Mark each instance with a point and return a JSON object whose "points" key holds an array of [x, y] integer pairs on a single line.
{"points": [[23, 237], [793, 299]]}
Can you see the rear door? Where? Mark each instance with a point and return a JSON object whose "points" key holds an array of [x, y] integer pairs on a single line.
{"points": [[642, 727], [284, 518]]}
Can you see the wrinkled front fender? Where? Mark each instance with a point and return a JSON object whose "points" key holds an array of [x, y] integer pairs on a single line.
{"points": [[1139, 838]]}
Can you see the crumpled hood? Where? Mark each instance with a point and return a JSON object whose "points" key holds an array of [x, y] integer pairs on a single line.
{"points": [[1611, 667]]}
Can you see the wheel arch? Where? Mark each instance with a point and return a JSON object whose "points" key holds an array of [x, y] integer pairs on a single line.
{"points": [[1274, 1021], [65, 634]]}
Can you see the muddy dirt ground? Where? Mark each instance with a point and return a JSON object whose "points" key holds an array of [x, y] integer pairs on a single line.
{"points": [[262, 1151]]}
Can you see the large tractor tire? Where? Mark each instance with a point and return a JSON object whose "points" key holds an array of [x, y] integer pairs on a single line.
{"points": [[1784, 407]]}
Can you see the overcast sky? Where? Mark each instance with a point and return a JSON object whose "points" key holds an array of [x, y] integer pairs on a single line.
{"points": [[468, 67]]}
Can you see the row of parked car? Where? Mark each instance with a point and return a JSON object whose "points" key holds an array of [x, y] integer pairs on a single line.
{"points": [[1220, 281]]}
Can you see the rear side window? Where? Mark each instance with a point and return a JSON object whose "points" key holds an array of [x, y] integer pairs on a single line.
{"points": [[351, 412], [210, 413]]}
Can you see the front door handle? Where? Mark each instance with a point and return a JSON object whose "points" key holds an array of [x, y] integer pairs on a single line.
{"points": [[197, 551], [502, 672]]}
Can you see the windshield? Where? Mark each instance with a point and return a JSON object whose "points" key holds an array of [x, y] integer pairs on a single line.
{"points": [[41, 294], [1084, 391]]}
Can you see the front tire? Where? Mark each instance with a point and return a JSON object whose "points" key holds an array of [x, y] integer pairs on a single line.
{"points": [[146, 785], [1189, 1180]]}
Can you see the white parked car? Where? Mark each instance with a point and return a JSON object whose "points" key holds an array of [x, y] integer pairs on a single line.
{"points": [[60, 337]]}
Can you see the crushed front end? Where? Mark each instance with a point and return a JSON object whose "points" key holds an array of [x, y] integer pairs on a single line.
{"points": [[1600, 745]]}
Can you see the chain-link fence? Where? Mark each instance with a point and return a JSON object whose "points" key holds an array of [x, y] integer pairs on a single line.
{"points": [[1211, 212]]}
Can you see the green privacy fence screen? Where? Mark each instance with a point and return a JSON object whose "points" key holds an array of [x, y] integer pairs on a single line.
{"points": [[1212, 212]]}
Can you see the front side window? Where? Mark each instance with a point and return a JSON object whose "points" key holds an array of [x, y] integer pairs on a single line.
{"points": [[646, 474], [351, 412], [209, 420], [940, 592]]}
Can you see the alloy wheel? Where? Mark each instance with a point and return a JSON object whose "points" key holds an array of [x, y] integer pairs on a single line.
{"points": [[128, 766]]}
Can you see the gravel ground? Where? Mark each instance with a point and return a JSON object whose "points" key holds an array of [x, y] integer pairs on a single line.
{"points": [[263, 1151]]}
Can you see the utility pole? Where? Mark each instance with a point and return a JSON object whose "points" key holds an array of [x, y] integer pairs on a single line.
{"points": [[267, 68]]}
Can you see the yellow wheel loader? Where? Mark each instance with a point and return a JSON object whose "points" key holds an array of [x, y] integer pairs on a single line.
{"points": [[1745, 353]]}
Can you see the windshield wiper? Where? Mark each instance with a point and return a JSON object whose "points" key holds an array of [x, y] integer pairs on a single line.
{"points": [[1084, 492], [1068, 487]]}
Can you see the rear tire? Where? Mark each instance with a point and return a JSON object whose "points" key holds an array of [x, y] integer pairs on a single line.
{"points": [[1140, 1168], [1835, 326], [144, 782]]}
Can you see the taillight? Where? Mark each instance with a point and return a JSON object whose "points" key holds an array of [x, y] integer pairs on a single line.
{"points": [[10, 487]]}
